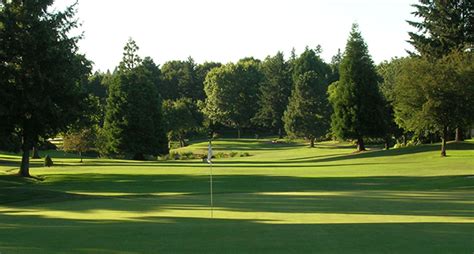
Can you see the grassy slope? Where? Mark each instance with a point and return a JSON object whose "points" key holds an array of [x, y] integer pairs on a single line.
{"points": [[284, 198]]}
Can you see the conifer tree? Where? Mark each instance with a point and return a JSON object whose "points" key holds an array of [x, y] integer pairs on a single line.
{"points": [[274, 93], [445, 25], [357, 103], [133, 123], [41, 73]]}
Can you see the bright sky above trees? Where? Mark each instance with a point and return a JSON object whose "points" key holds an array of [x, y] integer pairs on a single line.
{"points": [[223, 31]]}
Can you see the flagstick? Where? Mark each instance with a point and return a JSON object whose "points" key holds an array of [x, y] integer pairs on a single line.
{"points": [[212, 203], [209, 160]]}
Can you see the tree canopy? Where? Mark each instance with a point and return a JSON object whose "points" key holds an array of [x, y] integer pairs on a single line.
{"points": [[443, 26], [356, 99], [274, 93], [133, 122], [42, 74], [435, 96], [232, 93]]}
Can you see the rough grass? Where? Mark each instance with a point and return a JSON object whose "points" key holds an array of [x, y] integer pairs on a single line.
{"points": [[285, 198]]}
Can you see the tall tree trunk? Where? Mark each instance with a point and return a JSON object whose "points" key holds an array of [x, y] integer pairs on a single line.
{"points": [[280, 133], [238, 132], [387, 143], [311, 140], [27, 145], [459, 135], [404, 139], [35, 152], [443, 142], [360, 144], [80, 154], [182, 142]]}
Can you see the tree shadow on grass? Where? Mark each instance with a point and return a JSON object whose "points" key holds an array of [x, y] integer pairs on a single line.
{"points": [[381, 153], [38, 234], [437, 196]]}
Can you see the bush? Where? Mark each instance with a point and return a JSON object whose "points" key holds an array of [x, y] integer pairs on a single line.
{"points": [[48, 162], [192, 156]]}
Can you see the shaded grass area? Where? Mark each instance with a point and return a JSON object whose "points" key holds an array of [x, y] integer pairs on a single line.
{"points": [[288, 200]]}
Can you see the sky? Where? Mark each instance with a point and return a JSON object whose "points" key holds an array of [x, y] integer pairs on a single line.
{"points": [[228, 30]]}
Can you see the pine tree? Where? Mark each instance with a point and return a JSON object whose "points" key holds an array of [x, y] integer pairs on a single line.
{"points": [[133, 122], [357, 102], [445, 25], [41, 72], [274, 93]]}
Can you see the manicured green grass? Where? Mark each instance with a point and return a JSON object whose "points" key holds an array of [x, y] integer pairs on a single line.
{"points": [[284, 198]]}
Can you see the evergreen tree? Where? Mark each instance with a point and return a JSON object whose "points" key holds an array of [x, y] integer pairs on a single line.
{"points": [[357, 103], [445, 25], [308, 109], [309, 60], [133, 122], [274, 93], [41, 72]]}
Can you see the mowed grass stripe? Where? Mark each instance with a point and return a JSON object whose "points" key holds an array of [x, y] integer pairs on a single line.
{"points": [[288, 199]]}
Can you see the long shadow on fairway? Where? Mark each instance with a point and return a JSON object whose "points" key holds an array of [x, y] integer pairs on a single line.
{"points": [[440, 196], [38, 234]]}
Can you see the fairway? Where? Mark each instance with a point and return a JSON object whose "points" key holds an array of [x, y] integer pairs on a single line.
{"points": [[283, 198]]}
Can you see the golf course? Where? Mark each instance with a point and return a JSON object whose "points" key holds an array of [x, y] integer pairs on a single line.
{"points": [[279, 198]]}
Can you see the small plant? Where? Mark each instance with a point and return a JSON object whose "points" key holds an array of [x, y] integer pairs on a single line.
{"points": [[48, 162]]}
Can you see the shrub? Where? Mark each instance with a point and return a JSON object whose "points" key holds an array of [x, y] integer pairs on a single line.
{"points": [[48, 162]]}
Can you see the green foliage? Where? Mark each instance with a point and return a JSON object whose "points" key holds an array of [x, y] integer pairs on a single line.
{"points": [[388, 72], [80, 141], [133, 122], [435, 95], [41, 74], [232, 93], [310, 60], [308, 110], [444, 26], [179, 80], [356, 99], [181, 117], [274, 93]]}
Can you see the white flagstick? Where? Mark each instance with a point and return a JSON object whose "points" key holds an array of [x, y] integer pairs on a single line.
{"points": [[209, 160]]}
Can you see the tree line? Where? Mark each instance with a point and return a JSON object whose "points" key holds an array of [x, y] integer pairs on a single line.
{"points": [[47, 88]]}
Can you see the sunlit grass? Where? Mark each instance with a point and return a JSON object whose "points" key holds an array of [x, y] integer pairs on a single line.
{"points": [[283, 198]]}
